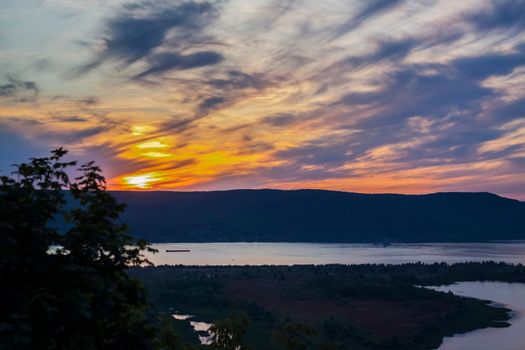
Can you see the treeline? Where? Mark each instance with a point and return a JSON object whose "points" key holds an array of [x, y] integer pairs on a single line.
{"points": [[408, 273]]}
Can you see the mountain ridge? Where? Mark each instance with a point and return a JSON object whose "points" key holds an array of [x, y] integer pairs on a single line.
{"points": [[312, 215]]}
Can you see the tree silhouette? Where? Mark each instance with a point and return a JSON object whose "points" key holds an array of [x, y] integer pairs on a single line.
{"points": [[228, 333], [293, 336], [64, 290]]}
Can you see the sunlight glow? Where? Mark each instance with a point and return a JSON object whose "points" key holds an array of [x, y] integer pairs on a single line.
{"points": [[152, 144], [141, 181], [157, 154], [138, 130]]}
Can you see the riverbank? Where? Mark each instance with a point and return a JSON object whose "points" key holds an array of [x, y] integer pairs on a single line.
{"points": [[349, 307], [505, 294]]}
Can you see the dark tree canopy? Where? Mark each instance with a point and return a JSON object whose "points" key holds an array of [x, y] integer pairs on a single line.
{"points": [[293, 336], [228, 333], [64, 290]]}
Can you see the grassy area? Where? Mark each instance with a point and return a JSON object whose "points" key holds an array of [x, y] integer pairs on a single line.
{"points": [[349, 307]]}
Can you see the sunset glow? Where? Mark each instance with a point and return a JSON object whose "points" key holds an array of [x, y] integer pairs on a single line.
{"points": [[140, 181], [365, 96]]}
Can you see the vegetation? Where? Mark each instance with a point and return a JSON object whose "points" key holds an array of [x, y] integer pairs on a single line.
{"points": [[70, 290], [293, 336], [228, 333], [330, 306]]}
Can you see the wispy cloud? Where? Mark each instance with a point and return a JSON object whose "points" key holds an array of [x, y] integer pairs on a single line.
{"points": [[141, 28], [380, 95], [18, 90], [164, 62], [504, 14]]}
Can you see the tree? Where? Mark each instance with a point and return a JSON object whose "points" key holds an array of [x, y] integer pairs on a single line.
{"points": [[228, 333], [63, 290], [168, 338], [293, 336]]}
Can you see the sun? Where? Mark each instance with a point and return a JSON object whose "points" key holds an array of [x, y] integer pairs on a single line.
{"points": [[140, 181]]}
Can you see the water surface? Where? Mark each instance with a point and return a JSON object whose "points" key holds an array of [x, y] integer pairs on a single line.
{"points": [[334, 253], [512, 296], [203, 329]]}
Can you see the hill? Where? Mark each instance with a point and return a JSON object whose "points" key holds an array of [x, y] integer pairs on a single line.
{"points": [[321, 216]]}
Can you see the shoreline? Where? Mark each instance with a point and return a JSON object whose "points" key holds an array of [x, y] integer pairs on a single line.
{"points": [[379, 302]]}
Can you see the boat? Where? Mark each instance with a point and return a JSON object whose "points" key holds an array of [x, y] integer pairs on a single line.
{"points": [[177, 250]]}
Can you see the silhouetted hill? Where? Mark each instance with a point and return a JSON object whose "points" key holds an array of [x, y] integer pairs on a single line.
{"points": [[321, 216]]}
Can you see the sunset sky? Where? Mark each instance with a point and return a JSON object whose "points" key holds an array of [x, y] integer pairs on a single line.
{"points": [[363, 96]]}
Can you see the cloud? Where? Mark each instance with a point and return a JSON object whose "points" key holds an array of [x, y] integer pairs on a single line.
{"points": [[210, 103], [140, 28], [369, 9], [237, 80], [89, 101], [107, 156], [421, 115], [19, 90], [438, 90], [319, 152], [72, 119], [176, 125], [79, 135], [279, 120], [502, 14], [164, 62], [397, 49], [482, 67], [411, 91], [392, 49], [294, 92], [435, 90], [389, 50], [510, 110], [46, 132]]}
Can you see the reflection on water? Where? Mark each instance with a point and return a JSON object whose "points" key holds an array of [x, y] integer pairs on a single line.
{"points": [[182, 317], [333, 253], [201, 328], [512, 296]]}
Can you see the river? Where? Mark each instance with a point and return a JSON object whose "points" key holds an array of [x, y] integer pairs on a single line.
{"points": [[512, 296], [508, 294], [333, 253]]}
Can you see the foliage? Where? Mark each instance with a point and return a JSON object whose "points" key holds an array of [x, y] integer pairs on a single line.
{"points": [[168, 338], [293, 336], [71, 289], [350, 306], [227, 334]]}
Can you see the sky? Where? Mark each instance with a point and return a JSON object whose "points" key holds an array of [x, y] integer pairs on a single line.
{"points": [[376, 96]]}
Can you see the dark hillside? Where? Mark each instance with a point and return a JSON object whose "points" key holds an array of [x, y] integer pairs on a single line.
{"points": [[321, 216]]}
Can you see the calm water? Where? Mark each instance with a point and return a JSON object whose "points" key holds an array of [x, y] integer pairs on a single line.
{"points": [[512, 295], [331, 253]]}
